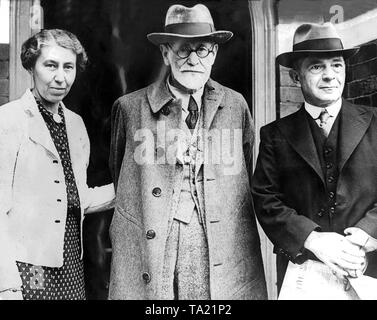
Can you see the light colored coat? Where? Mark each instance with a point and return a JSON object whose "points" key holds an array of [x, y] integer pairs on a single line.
{"points": [[144, 195], [33, 199]]}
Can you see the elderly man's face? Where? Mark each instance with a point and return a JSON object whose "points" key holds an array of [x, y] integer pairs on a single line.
{"points": [[193, 71], [321, 79]]}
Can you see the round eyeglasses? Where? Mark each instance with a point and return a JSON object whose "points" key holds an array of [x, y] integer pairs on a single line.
{"points": [[184, 52]]}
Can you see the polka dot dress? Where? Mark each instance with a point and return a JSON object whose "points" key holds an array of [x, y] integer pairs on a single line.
{"points": [[67, 282]]}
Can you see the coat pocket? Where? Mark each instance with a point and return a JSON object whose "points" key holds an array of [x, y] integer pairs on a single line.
{"points": [[252, 290], [127, 216]]}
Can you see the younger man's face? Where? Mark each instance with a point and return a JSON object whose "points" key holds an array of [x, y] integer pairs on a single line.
{"points": [[321, 79]]}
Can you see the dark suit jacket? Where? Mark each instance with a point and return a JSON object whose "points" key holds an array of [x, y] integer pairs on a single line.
{"points": [[289, 188]]}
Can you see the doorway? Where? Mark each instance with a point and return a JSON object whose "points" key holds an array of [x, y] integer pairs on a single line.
{"points": [[122, 60]]}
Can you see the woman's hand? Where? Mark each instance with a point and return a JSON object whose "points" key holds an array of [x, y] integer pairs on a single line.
{"points": [[11, 294]]}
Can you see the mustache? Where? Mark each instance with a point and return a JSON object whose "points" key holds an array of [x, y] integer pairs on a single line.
{"points": [[191, 70]]}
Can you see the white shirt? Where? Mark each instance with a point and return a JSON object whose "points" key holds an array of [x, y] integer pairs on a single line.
{"points": [[333, 111], [185, 141], [185, 98]]}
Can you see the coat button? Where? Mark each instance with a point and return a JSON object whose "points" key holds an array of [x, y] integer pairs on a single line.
{"points": [[151, 234], [330, 179], [146, 277], [328, 151], [329, 165], [320, 213], [156, 192], [332, 210], [331, 195]]}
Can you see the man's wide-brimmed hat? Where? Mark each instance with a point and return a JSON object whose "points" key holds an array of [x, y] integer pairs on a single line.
{"points": [[188, 23], [311, 39]]}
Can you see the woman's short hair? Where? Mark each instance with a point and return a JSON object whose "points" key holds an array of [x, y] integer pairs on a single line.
{"points": [[31, 48]]}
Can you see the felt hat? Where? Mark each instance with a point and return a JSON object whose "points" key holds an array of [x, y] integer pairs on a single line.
{"points": [[310, 39], [189, 23]]}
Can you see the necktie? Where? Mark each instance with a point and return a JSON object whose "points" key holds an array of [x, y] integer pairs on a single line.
{"points": [[323, 118], [192, 118]]}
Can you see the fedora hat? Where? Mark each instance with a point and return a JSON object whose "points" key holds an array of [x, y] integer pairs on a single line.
{"points": [[189, 23], [311, 38]]}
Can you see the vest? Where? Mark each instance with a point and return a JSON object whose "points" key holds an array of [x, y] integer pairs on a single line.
{"points": [[327, 149], [186, 197]]}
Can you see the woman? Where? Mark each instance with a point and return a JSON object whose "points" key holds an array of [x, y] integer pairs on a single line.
{"points": [[44, 154]]}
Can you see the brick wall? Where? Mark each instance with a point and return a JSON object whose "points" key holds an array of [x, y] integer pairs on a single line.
{"points": [[290, 97], [4, 73], [360, 87], [361, 83]]}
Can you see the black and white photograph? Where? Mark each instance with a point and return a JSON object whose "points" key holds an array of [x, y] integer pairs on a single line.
{"points": [[188, 154]]}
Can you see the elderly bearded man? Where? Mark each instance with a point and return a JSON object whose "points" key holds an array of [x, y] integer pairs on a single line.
{"points": [[184, 226], [314, 185]]}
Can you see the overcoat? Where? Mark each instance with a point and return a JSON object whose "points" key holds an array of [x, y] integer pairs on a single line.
{"points": [[145, 186], [289, 189]]}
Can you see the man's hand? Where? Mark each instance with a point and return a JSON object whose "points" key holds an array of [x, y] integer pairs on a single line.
{"points": [[359, 237], [337, 252]]}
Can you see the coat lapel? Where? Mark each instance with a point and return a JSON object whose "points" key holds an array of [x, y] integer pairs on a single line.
{"points": [[298, 134], [212, 97], [354, 123], [38, 131], [75, 135], [167, 111]]}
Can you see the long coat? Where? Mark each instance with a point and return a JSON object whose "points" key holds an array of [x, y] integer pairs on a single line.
{"points": [[144, 192], [289, 189], [33, 197]]}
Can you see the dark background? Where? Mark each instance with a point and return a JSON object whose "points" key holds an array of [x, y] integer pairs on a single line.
{"points": [[122, 60]]}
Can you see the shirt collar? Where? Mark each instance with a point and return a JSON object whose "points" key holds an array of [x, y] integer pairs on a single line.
{"points": [[315, 111], [184, 96]]}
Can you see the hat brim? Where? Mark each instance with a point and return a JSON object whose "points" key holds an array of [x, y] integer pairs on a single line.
{"points": [[158, 38], [288, 58]]}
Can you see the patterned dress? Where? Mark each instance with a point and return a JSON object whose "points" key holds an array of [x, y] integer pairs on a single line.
{"points": [[66, 282]]}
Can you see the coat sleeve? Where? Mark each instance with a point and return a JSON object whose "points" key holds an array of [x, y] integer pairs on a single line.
{"points": [[248, 137], [10, 140], [369, 222], [282, 224], [101, 198], [118, 140]]}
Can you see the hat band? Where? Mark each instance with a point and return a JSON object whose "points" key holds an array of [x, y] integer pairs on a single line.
{"points": [[319, 44], [190, 29]]}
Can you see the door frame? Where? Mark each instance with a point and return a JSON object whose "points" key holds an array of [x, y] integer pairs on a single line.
{"points": [[19, 31], [263, 24]]}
